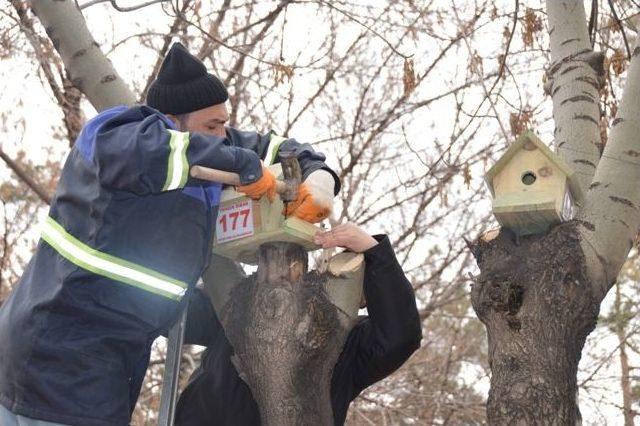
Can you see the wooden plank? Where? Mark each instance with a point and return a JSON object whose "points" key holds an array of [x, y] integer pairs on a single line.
{"points": [[548, 177], [528, 213]]}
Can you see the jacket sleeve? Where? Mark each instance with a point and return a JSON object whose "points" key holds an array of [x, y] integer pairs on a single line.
{"points": [[202, 327], [142, 154], [269, 146], [220, 277], [392, 332]]}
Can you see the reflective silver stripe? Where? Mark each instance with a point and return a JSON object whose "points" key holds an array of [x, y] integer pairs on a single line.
{"points": [[110, 266], [178, 167], [272, 150]]}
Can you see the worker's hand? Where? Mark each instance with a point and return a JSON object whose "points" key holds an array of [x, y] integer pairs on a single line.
{"points": [[315, 198], [266, 185], [347, 235]]}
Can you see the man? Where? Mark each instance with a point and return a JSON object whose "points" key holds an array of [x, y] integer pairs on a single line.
{"points": [[126, 239], [375, 347]]}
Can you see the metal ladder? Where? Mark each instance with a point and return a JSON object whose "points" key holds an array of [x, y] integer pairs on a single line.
{"points": [[169, 395]]}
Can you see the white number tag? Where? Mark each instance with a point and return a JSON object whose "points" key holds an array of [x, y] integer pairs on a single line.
{"points": [[234, 221]]}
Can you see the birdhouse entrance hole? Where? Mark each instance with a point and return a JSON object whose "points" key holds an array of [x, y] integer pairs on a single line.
{"points": [[528, 178]]}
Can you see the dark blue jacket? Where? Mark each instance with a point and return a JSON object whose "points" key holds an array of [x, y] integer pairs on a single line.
{"points": [[126, 239]]}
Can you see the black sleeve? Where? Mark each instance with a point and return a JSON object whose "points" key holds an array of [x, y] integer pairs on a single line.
{"points": [[202, 325], [141, 154], [392, 332], [309, 159]]}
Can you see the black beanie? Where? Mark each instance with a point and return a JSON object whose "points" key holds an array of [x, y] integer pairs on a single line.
{"points": [[184, 85]]}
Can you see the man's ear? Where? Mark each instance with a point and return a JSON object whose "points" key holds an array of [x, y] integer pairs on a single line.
{"points": [[175, 120]]}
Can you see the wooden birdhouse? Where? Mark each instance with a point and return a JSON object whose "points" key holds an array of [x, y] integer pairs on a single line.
{"points": [[244, 224], [532, 187]]}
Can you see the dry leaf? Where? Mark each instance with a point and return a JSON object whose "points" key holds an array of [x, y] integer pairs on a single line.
{"points": [[618, 62], [532, 24], [409, 77], [475, 64], [520, 122], [466, 174], [613, 109], [282, 71], [604, 128], [613, 24], [444, 198]]}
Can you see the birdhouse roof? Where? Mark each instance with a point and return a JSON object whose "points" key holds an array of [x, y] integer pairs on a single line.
{"points": [[529, 136]]}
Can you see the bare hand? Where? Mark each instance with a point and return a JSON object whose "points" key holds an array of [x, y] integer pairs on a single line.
{"points": [[346, 235]]}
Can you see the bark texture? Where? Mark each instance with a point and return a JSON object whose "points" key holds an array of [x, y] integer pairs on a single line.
{"points": [[575, 77], [66, 94], [611, 214], [89, 69], [537, 303], [287, 336]]}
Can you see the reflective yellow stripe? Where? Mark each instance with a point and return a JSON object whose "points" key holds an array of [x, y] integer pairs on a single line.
{"points": [[178, 167], [110, 266], [272, 150]]}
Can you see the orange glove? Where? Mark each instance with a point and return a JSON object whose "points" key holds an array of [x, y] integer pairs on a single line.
{"points": [[315, 198], [265, 185]]}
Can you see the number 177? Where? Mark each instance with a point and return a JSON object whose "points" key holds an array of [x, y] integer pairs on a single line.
{"points": [[234, 219]]}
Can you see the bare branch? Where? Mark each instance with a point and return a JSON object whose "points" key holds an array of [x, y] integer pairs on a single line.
{"points": [[176, 26], [89, 70], [121, 8], [377, 34], [24, 176]]}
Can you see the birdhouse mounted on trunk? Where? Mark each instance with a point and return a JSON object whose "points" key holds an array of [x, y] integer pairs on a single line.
{"points": [[532, 187], [243, 225]]}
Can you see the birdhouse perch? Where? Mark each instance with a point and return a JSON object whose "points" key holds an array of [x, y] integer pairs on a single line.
{"points": [[532, 187]]}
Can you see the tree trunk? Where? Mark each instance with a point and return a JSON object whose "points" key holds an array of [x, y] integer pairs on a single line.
{"points": [[539, 296], [294, 340], [536, 302]]}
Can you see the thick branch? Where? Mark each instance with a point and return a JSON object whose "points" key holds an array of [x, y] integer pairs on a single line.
{"points": [[88, 67], [67, 96], [611, 215], [574, 80]]}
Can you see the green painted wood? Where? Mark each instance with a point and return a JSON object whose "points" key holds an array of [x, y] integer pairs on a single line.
{"points": [[530, 137], [528, 213], [269, 225]]}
